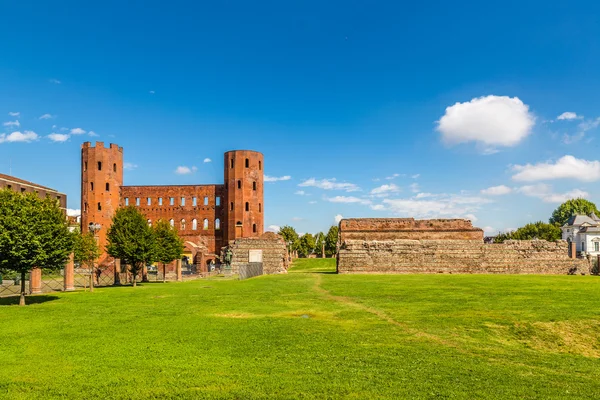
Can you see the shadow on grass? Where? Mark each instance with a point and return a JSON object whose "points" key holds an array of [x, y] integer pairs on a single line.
{"points": [[29, 300]]}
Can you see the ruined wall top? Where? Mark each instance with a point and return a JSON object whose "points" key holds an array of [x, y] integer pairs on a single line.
{"points": [[408, 228]]}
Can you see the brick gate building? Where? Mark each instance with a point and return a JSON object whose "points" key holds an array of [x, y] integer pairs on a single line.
{"points": [[206, 217]]}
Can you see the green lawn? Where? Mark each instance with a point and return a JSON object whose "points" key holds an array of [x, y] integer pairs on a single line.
{"points": [[309, 334]]}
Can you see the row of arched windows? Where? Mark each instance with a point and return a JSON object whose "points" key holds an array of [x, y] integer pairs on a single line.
{"points": [[183, 224]]}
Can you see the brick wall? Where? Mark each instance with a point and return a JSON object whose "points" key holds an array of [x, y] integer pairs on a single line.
{"points": [[273, 248]]}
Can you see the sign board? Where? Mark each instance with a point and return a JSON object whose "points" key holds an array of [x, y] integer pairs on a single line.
{"points": [[255, 256]]}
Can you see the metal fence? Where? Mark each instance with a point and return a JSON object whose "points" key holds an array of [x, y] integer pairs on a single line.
{"points": [[10, 283], [251, 270]]}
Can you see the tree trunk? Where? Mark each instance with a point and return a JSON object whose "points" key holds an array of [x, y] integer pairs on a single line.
{"points": [[92, 278], [22, 299], [134, 281], [164, 272]]}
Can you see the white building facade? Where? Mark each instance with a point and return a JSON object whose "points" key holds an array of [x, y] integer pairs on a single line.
{"points": [[585, 232]]}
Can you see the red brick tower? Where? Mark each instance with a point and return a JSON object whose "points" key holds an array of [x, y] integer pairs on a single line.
{"points": [[244, 193], [101, 181]]}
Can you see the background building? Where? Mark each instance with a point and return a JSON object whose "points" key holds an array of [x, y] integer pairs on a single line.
{"points": [[22, 186], [206, 217]]}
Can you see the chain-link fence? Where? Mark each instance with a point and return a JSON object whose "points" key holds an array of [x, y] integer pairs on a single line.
{"points": [[10, 283], [251, 270]]}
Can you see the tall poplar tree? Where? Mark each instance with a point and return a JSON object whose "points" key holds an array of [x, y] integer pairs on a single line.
{"points": [[169, 245]]}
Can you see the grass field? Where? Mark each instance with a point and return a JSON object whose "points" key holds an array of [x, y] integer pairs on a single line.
{"points": [[309, 334]]}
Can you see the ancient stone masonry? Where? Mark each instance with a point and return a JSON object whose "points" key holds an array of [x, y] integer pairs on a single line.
{"points": [[444, 246], [272, 249]]}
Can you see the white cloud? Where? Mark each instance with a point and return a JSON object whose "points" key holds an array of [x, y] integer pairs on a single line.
{"points": [[385, 190], [544, 192], [55, 81], [440, 205], [569, 116], [338, 218], [301, 193], [414, 187], [589, 124], [276, 179], [330, 184], [25, 137], [496, 190], [12, 123], [207, 160], [490, 121], [183, 170], [416, 176], [77, 131], [273, 228], [93, 134], [489, 229], [46, 116], [73, 212], [471, 217], [567, 167], [347, 200], [151, 92], [377, 207], [14, 113], [58, 137], [393, 176], [129, 166]]}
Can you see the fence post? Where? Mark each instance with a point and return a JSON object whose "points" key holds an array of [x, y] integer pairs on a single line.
{"points": [[69, 275], [35, 281], [117, 272], [178, 268]]}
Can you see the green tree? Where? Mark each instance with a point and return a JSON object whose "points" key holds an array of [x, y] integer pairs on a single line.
{"points": [[169, 245], [290, 236], [86, 251], [131, 240], [319, 243], [331, 241], [306, 245], [33, 233], [537, 230], [572, 207]]}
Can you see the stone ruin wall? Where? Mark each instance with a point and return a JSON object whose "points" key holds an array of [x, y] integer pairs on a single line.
{"points": [[274, 252], [444, 246]]}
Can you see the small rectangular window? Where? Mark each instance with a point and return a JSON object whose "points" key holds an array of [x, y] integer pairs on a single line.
{"points": [[172, 201], [247, 163], [99, 207], [206, 200], [194, 202], [107, 187], [149, 201], [232, 163], [160, 201], [126, 201], [183, 201], [92, 186], [596, 246], [9, 187], [217, 201], [85, 166], [137, 201], [99, 165]]}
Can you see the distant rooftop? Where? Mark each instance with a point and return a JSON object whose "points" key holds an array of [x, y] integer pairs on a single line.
{"points": [[24, 182]]}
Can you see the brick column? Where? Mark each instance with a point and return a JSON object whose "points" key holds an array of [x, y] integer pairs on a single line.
{"points": [[69, 275], [178, 269], [35, 281], [573, 249]]}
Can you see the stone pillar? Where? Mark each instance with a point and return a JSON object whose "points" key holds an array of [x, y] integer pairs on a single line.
{"points": [[178, 269], [35, 281], [573, 249], [69, 275], [117, 271], [145, 273]]}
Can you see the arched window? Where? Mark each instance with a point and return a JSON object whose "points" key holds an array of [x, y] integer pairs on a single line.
{"points": [[253, 185], [107, 186], [254, 228], [126, 201], [247, 163], [239, 184], [247, 206], [205, 225], [172, 222], [259, 207], [149, 222], [114, 167], [194, 224], [183, 224], [217, 224]]}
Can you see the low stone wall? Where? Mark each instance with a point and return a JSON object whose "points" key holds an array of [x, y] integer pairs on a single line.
{"points": [[457, 256], [274, 253]]}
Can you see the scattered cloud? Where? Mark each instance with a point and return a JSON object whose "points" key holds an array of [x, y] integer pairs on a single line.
{"points": [[47, 116], [77, 131], [568, 116], [416, 176], [489, 121], [338, 218], [385, 190], [414, 187], [471, 217], [183, 170], [59, 137], [567, 167], [301, 193], [330, 184], [12, 123], [489, 229], [14, 113], [151, 92], [393, 176], [436, 205], [545, 193], [207, 160], [15, 137], [378, 207], [277, 179], [93, 134], [129, 166], [55, 81], [496, 190], [73, 212], [348, 200], [273, 228]]}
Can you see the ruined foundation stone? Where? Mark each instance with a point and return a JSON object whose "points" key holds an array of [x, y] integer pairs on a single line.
{"points": [[444, 246], [272, 247]]}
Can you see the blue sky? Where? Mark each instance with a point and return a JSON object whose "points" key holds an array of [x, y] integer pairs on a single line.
{"points": [[372, 109]]}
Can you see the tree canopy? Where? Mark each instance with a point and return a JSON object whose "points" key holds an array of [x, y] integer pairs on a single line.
{"points": [[131, 240], [33, 233], [306, 245], [537, 230], [572, 207], [169, 245], [290, 236], [331, 241]]}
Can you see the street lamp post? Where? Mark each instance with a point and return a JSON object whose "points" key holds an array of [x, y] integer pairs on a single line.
{"points": [[94, 228]]}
